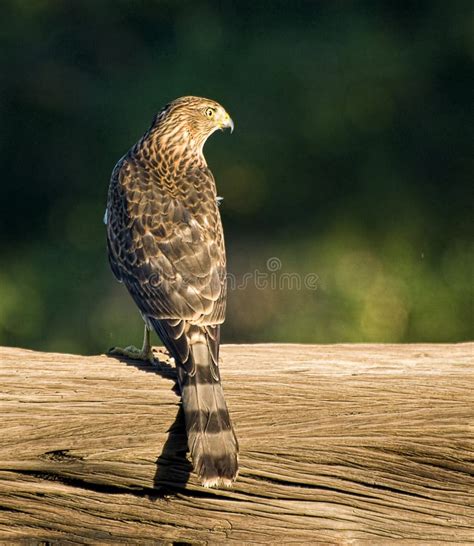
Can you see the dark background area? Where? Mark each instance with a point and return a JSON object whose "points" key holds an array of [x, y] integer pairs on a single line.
{"points": [[351, 160]]}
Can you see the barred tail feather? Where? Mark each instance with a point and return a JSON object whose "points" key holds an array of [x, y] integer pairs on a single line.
{"points": [[211, 438]]}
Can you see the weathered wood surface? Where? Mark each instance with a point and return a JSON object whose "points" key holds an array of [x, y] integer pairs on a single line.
{"points": [[342, 444]]}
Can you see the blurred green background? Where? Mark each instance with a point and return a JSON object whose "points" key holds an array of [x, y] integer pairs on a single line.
{"points": [[351, 160]]}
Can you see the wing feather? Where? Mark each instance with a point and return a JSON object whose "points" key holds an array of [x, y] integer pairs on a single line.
{"points": [[167, 247]]}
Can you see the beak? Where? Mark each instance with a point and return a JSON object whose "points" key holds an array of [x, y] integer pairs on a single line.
{"points": [[227, 123]]}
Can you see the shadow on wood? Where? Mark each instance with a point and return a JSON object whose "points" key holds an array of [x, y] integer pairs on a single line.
{"points": [[172, 467], [342, 444]]}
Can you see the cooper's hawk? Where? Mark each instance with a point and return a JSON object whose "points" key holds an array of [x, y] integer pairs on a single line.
{"points": [[165, 243]]}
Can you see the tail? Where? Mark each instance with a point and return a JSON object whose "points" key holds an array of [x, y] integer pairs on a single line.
{"points": [[211, 438]]}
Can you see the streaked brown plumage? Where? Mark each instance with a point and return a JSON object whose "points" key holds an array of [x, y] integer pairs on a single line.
{"points": [[166, 244]]}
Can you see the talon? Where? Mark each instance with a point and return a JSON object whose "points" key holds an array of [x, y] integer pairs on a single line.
{"points": [[145, 353]]}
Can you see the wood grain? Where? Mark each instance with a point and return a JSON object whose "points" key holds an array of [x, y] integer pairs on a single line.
{"points": [[340, 444]]}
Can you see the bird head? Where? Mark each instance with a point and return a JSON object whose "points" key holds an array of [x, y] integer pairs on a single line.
{"points": [[194, 116]]}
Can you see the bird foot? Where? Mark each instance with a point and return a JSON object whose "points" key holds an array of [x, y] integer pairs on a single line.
{"points": [[134, 352]]}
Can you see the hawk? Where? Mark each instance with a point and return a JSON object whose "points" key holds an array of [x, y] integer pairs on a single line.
{"points": [[166, 245]]}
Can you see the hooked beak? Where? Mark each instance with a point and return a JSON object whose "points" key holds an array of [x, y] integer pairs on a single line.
{"points": [[227, 123]]}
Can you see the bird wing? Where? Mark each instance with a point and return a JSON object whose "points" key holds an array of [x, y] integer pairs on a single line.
{"points": [[166, 244]]}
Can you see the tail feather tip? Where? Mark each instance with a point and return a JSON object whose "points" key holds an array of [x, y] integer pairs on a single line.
{"points": [[218, 481]]}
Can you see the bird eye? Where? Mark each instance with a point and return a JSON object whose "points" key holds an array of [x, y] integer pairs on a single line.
{"points": [[210, 113]]}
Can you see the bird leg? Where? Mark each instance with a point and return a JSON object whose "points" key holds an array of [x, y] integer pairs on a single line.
{"points": [[145, 353]]}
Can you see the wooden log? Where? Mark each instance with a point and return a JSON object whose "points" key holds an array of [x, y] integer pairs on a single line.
{"points": [[340, 444]]}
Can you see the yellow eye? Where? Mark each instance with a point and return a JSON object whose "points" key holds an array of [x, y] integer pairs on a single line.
{"points": [[210, 113]]}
